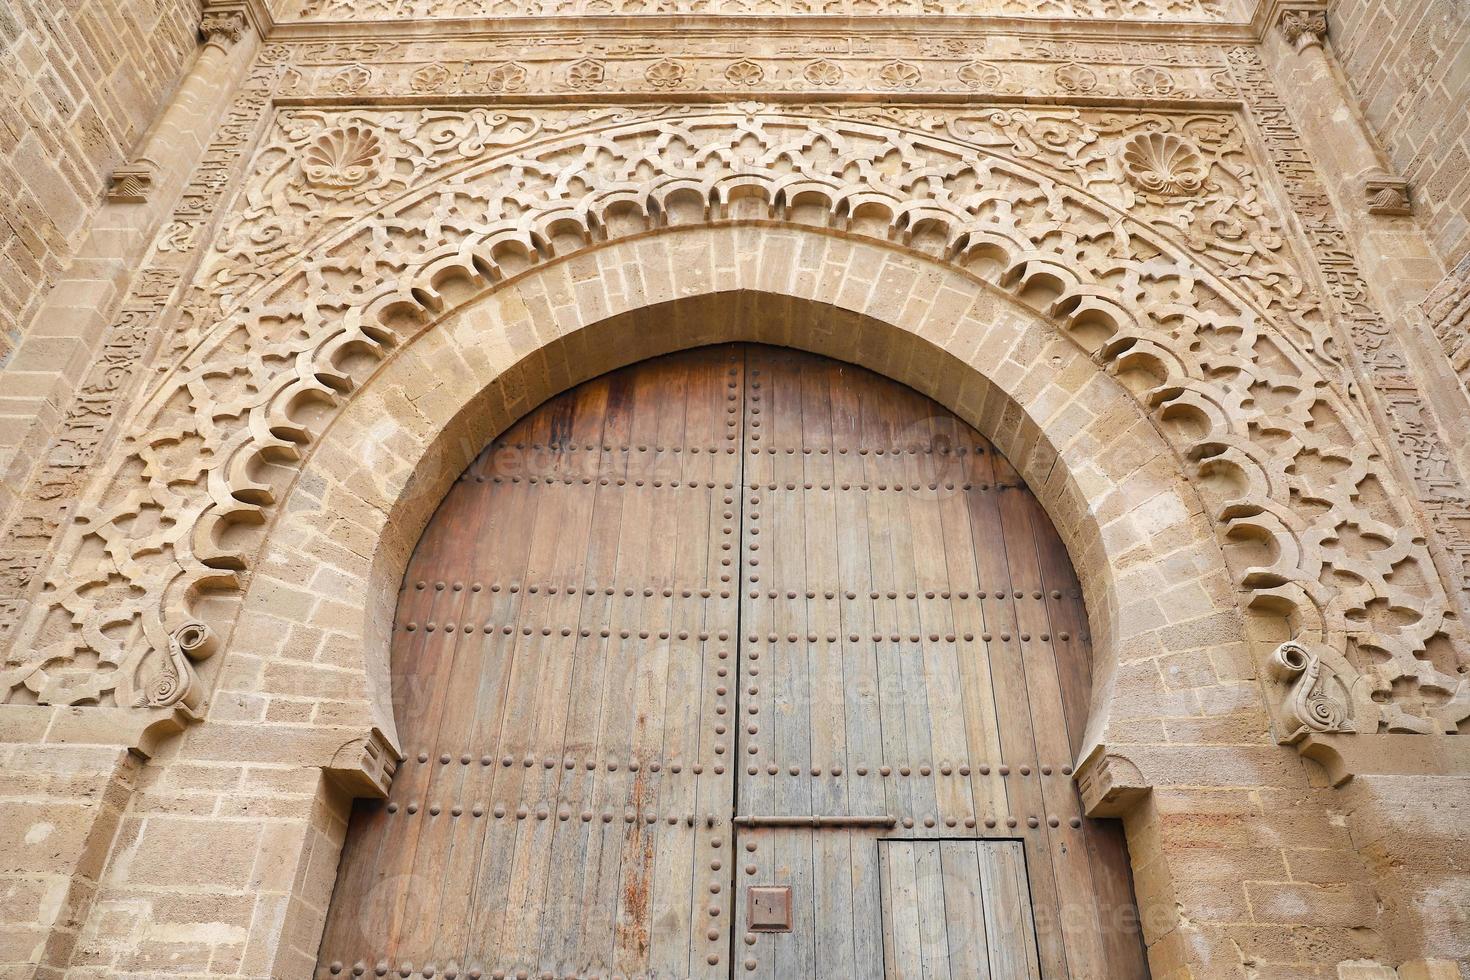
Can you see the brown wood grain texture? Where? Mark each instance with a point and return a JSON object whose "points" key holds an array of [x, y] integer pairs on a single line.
{"points": [[737, 581]]}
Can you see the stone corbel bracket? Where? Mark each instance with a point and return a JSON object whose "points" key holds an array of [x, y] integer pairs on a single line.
{"points": [[364, 767], [1387, 195], [177, 683], [1304, 28], [1110, 784], [1319, 696], [132, 182]]}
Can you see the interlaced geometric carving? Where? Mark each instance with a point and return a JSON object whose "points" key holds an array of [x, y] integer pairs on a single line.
{"points": [[1191, 298]]}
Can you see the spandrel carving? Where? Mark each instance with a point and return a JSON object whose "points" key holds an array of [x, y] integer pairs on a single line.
{"points": [[1190, 297]]}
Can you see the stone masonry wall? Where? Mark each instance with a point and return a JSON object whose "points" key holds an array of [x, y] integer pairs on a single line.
{"points": [[1409, 62], [80, 82]]}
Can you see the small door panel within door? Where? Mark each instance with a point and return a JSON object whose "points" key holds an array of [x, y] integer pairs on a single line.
{"points": [[957, 910], [741, 616]]}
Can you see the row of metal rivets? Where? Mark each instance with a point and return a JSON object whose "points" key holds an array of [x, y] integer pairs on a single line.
{"points": [[633, 765], [450, 627], [383, 969], [667, 592], [585, 632], [515, 588], [772, 768], [755, 411], [522, 812], [899, 638], [896, 487], [603, 448], [607, 481], [451, 972]]}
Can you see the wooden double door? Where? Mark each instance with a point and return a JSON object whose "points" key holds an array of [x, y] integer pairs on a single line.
{"points": [[737, 662]]}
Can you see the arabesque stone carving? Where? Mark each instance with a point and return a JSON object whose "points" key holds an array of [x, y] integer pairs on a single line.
{"points": [[1194, 300], [176, 682], [222, 27]]}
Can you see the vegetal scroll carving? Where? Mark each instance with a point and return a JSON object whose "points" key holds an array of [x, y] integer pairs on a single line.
{"points": [[176, 682], [1304, 28], [1318, 700], [1193, 300]]}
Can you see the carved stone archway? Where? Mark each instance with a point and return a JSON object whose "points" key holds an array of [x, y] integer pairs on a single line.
{"points": [[1132, 523], [1114, 486], [1144, 242]]}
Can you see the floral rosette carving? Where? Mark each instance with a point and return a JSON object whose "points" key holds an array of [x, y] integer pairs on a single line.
{"points": [[585, 74], [980, 75], [1076, 78], [822, 72], [665, 74], [745, 73], [429, 78], [507, 77], [898, 74], [1149, 80], [350, 80]]}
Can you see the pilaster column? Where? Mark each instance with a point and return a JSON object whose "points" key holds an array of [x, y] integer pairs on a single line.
{"points": [[62, 342], [1394, 254]]}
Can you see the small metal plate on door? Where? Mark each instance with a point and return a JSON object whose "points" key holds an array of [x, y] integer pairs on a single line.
{"points": [[770, 908]]}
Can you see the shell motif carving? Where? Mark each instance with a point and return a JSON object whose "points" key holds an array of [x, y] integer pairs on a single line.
{"points": [[343, 158], [586, 74], [1163, 163]]}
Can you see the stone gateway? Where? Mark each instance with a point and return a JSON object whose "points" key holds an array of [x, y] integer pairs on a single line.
{"points": [[721, 488]]}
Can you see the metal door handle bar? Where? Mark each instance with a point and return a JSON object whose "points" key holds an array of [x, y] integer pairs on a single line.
{"points": [[868, 820]]}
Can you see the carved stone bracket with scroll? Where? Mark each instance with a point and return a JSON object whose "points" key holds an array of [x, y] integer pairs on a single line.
{"points": [[1318, 698]]}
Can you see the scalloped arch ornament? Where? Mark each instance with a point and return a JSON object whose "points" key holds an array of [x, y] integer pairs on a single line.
{"points": [[1191, 300]]}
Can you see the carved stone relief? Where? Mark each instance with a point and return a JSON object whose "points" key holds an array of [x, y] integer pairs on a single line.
{"points": [[1421, 450], [1304, 28], [752, 62], [106, 390], [1215, 10], [1152, 227], [1318, 700]]}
